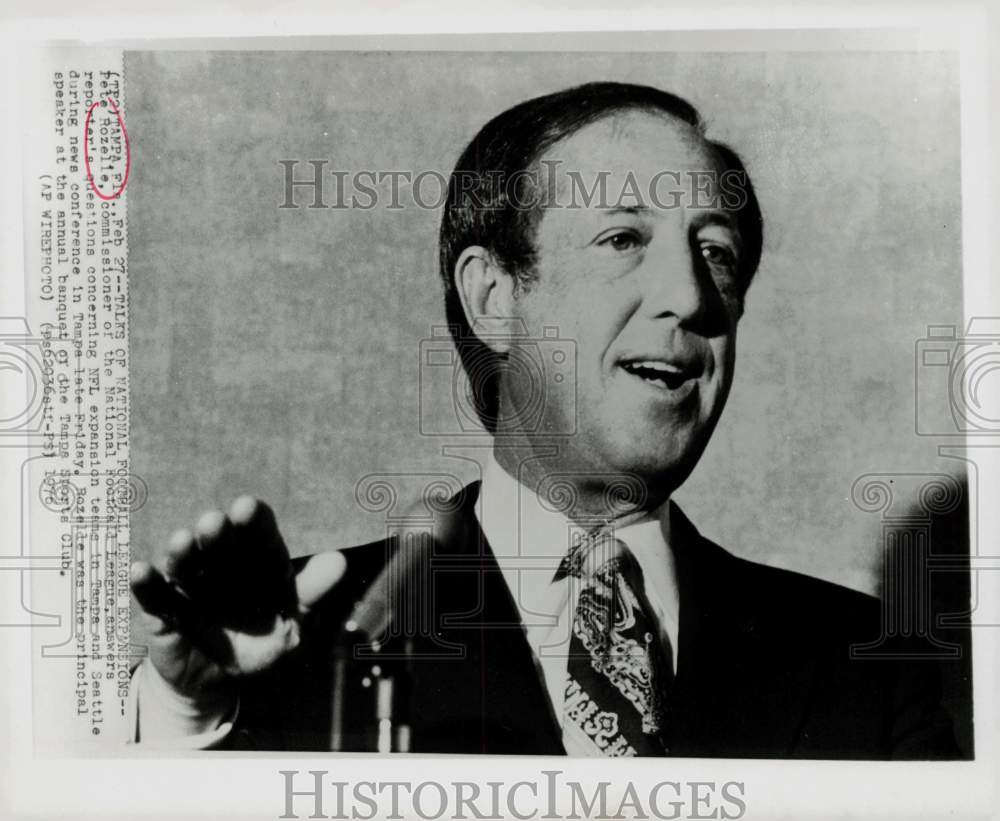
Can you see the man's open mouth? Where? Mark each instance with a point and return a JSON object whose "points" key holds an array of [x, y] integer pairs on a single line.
{"points": [[658, 373]]}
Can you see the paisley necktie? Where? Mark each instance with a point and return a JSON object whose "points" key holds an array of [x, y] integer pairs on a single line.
{"points": [[618, 669]]}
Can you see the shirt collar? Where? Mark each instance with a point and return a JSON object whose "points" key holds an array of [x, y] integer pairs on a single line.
{"points": [[529, 538]]}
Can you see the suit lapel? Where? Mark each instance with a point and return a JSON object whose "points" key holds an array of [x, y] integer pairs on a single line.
{"points": [[489, 698], [739, 691]]}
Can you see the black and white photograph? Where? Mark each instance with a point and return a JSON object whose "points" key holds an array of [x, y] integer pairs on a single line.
{"points": [[409, 418], [425, 347]]}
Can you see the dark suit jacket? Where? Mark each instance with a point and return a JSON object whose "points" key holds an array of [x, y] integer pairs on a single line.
{"points": [[764, 664]]}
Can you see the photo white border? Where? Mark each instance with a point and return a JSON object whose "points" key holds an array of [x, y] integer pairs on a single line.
{"points": [[222, 785]]}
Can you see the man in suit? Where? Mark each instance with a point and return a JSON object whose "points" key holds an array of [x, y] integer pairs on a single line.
{"points": [[563, 604]]}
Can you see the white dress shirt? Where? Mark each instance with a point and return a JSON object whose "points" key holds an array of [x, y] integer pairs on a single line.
{"points": [[529, 540]]}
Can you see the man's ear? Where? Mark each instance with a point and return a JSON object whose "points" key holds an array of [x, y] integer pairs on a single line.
{"points": [[487, 294]]}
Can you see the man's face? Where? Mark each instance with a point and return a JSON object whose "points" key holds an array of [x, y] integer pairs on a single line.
{"points": [[650, 295]]}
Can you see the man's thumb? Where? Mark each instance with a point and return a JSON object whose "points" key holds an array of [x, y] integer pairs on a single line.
{"points": [[318, 576]]}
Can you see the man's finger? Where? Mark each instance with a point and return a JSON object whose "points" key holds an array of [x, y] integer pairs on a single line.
{"points": [[255, 529], [214, 533], [248, 511], [170, 612], [260, 545], [318, 576], [254, 580], [252, 516], [182, 560], [155, 595]]}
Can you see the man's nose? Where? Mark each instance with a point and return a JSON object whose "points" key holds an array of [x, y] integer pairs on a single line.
{"points": [[672, 282]]}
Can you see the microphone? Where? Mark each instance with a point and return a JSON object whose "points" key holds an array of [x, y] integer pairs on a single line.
{"points": [[395, 606], [398, 598]]}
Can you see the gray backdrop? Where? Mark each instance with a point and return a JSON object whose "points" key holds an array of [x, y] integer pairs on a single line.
{"points": [[277, 351]]}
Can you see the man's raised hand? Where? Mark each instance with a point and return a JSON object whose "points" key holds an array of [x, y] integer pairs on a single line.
{"points": [[223, 600]]}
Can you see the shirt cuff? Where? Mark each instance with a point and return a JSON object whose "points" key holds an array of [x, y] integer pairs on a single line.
{"points": [[161, 718]]}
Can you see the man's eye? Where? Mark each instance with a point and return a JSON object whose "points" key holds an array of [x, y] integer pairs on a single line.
{"points": [[621, 241], [718, 255]]}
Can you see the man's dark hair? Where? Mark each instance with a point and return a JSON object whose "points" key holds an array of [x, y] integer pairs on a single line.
{"points": [[489, 189]]}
